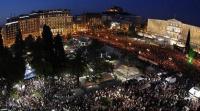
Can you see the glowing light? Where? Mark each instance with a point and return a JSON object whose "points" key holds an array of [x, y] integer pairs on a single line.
{"points": [[190, 60], [115, 25], [191, 56]]}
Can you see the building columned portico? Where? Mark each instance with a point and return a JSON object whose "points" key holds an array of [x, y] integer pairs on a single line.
{"points": [[175, 30]]}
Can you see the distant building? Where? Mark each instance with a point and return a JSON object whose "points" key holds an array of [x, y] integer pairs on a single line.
{"points": [[79, 24], [114, 13], [29, 24], [120, 25], [175, 30], [92, 20], [60, 22], [125, 19], [9, 31]]}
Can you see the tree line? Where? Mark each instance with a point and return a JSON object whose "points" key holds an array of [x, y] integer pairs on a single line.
{"points": [[45, 54]]}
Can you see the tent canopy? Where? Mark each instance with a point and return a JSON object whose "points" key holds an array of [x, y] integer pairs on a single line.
{"points": [[195, 91]]}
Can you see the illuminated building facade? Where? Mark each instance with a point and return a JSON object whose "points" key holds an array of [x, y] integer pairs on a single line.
{"points": [[60, 22], [9, 31], [87, 21], [174, 30], [79, 24], [120, 26], [29, 25], [92, 20]]}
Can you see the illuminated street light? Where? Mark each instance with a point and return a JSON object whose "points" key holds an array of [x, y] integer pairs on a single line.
{"points": [[170, 58], [191, 56]]}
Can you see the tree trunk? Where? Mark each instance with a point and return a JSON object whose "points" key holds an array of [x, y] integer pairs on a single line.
{"points": [[77, 79]]}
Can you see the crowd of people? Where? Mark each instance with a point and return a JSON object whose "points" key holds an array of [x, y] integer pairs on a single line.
{"points": [[26, 95], [153, 93], [2, 91], [39, 93], [150, 94]]}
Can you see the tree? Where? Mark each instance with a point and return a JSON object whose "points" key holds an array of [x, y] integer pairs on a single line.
{"points": [[19, 63], [187, 44], [78, 65], [18, 45], [1, 56], [38, 62], [191, 55], [59, 50], [29, 43], [48, 49], [47, 38], [1, 42], [94, 49]]}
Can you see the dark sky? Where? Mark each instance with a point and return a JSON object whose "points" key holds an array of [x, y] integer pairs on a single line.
{"points": [[185, 10]]}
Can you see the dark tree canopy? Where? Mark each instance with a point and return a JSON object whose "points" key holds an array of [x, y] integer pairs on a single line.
{"points": [[18, 45], [47, 38], [187, 44], [59, 49], [29, 43], [1, 41], [78, 64], [19, 55], [12, 67]]}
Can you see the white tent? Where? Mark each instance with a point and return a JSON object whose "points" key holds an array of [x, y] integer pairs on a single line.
{"points": [[29, 73], [171, 79], [125, 73], [195, 91], [139, 78]]}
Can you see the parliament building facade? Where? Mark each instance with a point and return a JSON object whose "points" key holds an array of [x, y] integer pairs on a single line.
{"points": [[175, 30]]}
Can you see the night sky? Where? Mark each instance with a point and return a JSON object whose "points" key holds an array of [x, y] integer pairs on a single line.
{"points": [[187, 11]]}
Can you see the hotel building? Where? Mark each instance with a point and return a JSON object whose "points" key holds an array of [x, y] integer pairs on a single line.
{"points": [[60, 22]]}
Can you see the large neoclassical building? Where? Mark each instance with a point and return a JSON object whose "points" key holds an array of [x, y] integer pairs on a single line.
{"points": [[174, 30]]}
